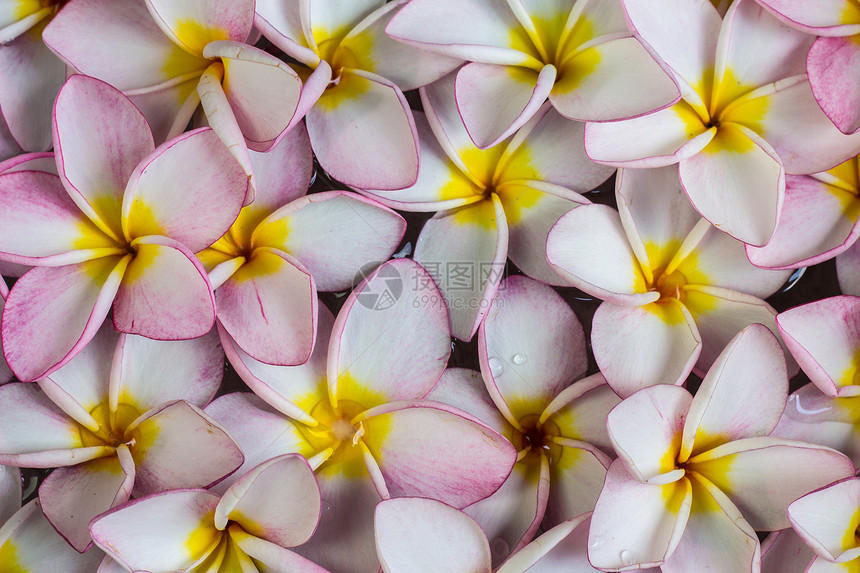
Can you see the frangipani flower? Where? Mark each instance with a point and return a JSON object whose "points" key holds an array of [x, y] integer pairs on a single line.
{"points": [[121, 418], [30, 74], [414, 535], [675, 289], [747, 115], [532, 349], [284, 246], [579, 54], [493, 204], [274, 506], [354, 411], [178, 54], [117, 229], [827, 521], [700, 474], [832, 62], [819, 219], [361, 127]]}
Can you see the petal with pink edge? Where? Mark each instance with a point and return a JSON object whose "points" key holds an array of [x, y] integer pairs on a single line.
{"points": [[588, 247], [824, 338], [464, 250], [459, 476], [269, 557], [763, 475], [831, 62], [414, 535], [100, 139], [263, 92], [29, 543], [5, 373], [336, 235], [30, 79], [178, 445], [465, 389], [363, 133], [637, 524], [848, 270], [826, 520], [639, 346], [737, 183], [119, 32], [580, 411], [577, 476], [785, 552], [79, 295], [716, 537], [494, 101], [158, 202], [525, 368], [246, 417], [195, 23], [283, 174], [269, 307], [742, 396], [384, 312], [58, 441], [10, 492], [152, 372], [646, 431], [278, 501], [179, 523], [590, 87], [284, 25], [334, 18], [164, 293], [41, 224], [825, 18], [72, 496]]}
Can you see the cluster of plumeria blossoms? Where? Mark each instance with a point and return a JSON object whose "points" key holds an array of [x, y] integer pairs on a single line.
{"points": [[443, 286]]}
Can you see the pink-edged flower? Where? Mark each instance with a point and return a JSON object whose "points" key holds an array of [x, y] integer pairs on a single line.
{"points": [[354, 411], [285, 246], [532, 351], [827, 521], [492, 204], [416, 534], [675, 289], [123, 417], [30, 75], [179, 54], [700, 474], [361, 127], [581, 55], [116, 230], [274, 506], [819, 219], [747, 114], [833, 59]]}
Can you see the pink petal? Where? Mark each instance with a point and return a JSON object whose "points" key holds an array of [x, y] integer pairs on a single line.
{"points": [[164, 293], [415, 535], [742, 396], [157, 204], [271, 557], [336, 235], [387, 311], [285, 25], [176, 446], [475, 469], [100, 138], [278, 501], [564, 546], [785, 552], [363, 133], [525, 368], [283, 173], [169, 110], [580, 411], [825, 520], [763, 475], [637, 524], [826, 18], [494, 101], [178, 523], [79, 295], [465, 389], [646, 431], [72, 496], [194, 23], [10, 492], [848, 270], [589, 92], [576, 478], [639, 346], [269, 308], [831, 62]]}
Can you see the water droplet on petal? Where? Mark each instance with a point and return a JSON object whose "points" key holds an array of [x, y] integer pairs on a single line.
{"points": [[519, 359], [496, 366], [593, 543], [627, 557], [325, 506], [500, 548]]}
